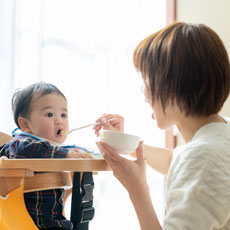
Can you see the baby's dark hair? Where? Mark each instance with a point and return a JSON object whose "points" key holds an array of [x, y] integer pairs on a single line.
{"points": [[21, 99]]}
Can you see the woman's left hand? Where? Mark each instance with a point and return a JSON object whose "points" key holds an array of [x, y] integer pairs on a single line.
{"points": [[131, 173]]}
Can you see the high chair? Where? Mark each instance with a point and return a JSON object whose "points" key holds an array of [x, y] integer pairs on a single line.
{"points": [[14, 215], [17, 176]]}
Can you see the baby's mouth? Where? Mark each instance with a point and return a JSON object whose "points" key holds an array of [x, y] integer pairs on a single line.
{"points": [[59, 132], [62, 132]]}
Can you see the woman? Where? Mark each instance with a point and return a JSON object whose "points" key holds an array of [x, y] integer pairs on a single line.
{"points": [[186, 74]]}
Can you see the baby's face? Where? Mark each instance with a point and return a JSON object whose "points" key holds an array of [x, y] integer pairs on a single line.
{"points": [[48, 116]]}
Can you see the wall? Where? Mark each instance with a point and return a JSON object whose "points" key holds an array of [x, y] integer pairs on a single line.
{"points": [[214, 13]]}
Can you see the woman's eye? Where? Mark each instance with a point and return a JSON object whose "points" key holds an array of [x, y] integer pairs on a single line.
{"points": [[64, 115], [49, 114]]}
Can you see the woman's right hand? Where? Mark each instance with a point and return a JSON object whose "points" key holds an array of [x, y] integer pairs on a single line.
{"points": [[110, 122]]}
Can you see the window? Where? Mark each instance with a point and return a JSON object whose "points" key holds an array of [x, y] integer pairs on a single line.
{"points": [[85, 48]]}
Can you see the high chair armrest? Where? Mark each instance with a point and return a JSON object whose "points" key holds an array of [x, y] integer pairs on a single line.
{"points": [[10, 179]]}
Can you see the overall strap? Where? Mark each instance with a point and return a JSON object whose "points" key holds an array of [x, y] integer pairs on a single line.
{"points": [[82, 210]]}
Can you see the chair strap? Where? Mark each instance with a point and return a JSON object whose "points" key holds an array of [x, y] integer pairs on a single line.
{"points": [[82, 210]]}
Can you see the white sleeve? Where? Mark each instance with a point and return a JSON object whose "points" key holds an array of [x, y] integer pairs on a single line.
{"points": [[198, 196]]}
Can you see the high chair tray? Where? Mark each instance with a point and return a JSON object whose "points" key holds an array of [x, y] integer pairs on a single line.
{"points": [[55, 165]]}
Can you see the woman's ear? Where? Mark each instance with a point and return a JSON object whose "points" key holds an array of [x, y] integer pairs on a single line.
{"points": [[23, 124]]}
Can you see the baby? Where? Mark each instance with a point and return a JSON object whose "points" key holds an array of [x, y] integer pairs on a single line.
{"points": [[41, 113]]}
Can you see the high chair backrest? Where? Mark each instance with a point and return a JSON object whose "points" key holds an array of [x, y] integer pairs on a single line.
{"points": [[4, 138], [14, 215]]}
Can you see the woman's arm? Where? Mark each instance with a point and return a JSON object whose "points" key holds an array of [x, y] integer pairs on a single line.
{"points": [[157, 158], [143, 206]]}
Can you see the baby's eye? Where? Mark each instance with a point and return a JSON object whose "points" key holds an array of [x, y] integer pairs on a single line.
{"points": [[49, 114], [64, 115]]}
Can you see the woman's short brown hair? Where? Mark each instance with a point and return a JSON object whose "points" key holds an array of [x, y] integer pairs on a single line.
{"points": [[187, 64]]}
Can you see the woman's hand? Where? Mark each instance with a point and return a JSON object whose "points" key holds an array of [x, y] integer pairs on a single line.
{"points": [[110, 122], [131, 173]]}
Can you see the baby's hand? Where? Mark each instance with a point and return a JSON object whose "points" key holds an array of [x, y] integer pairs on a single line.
{"points": [[74, 154]]}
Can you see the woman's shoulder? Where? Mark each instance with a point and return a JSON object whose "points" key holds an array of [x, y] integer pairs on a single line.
{"points": [[207, 154], [209, 142]]}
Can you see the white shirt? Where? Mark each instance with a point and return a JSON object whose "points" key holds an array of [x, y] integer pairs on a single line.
{"points": [[198, 183]]}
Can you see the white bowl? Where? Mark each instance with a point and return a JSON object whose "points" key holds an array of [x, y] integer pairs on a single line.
{"points": [[124, 143]]}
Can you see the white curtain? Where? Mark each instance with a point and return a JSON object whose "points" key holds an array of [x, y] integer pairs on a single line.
{"points": [[6, 62], [85, 48]]}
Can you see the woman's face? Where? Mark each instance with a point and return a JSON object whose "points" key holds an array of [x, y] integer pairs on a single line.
{"points": [[165, 119]]}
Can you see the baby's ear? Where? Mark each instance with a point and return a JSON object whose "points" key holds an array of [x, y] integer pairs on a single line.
{"points": [[23, 124]]}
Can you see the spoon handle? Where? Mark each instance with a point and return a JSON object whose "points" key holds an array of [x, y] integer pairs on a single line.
{"points": [[82, 127]]}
